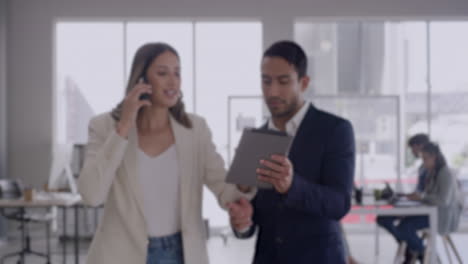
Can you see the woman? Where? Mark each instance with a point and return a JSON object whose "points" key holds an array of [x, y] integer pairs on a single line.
{"points": [[441, 190], [147, 162]]}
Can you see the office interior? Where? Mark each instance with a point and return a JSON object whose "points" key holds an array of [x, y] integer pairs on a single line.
{"points": [[393, 68]]}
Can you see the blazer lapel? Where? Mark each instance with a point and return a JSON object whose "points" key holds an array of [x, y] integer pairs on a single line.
{"points": [[132, 167], [184, 149]]}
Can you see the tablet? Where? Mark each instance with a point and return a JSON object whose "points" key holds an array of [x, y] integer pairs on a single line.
{"points": [[255, 145]]}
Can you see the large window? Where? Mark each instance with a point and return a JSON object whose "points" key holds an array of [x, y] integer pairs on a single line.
{"points": [[449, 90], [89, 75], [228, 64], [421, 64], [93, 60]]}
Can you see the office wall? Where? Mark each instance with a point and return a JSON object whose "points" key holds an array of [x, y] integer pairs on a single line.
{"points": [[30, 49]]}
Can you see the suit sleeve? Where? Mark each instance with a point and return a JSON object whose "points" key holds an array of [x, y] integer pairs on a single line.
{"points": [[104, 154], [332, 197]]}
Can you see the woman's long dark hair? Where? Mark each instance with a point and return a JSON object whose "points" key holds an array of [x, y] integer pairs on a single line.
{"points": [[144, 56], [434, 150]]}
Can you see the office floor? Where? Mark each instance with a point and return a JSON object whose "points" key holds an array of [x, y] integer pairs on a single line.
{"points": [[240, 251]]}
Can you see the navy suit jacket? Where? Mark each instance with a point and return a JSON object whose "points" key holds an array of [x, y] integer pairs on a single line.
{"points": [[302, 226]]}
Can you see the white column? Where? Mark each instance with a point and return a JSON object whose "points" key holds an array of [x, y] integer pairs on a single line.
{"points": [[3, 85], [3, 101]]}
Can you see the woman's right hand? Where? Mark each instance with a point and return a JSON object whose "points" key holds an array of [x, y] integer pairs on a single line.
{"points": [[130, 107]]}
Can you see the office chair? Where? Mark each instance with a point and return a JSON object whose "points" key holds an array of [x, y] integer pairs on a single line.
{"points": [[448, 245], [11, 190]]}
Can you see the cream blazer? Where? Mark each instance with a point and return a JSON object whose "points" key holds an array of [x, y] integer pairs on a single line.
{"points": [[110, 177]]}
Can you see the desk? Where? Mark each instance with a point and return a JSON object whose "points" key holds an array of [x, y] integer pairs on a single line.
{"points": [[4, 203], [76, 236], [382, 209], [46, 200]]}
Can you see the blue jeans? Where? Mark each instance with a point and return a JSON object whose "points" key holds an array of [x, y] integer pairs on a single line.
{"points": [[388, 223], [407, 231], [165, 250]]}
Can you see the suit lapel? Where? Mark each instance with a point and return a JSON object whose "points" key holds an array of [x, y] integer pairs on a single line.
{"points": [[302, 132]]}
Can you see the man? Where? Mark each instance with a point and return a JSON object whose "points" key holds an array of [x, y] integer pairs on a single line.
{"points": [[390, 223], [298, 220]]}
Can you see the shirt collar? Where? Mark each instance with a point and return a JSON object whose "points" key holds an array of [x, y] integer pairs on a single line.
{"points": [[293, 124]]}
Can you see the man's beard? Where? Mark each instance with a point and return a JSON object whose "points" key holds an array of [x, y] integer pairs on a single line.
{"points": [[288, 112]]}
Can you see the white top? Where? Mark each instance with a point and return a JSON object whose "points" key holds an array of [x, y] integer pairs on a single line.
{"points": [[159, 180], [293, 124]]}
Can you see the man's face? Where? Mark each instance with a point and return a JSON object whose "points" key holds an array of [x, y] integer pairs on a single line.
{"points": [[282, 89]]}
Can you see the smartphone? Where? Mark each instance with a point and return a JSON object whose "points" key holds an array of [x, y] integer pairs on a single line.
{"points": [[145, 96]]}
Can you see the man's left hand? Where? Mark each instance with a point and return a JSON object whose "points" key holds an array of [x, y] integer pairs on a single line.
{"points": [[278, 172]]}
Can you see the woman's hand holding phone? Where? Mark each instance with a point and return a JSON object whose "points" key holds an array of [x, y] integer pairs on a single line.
{"points": [[131, 104]]}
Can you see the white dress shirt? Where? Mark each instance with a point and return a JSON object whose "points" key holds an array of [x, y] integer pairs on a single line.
{"points": [[293, 124]]}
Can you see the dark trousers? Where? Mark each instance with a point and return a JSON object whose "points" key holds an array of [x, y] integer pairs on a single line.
{"points": [[406, 230]]}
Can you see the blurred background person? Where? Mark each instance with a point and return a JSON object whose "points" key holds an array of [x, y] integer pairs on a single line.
{"points": [[442, 190]]}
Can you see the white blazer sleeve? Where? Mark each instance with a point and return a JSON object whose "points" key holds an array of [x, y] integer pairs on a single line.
{"points": [[104, 154], [214, 172]]}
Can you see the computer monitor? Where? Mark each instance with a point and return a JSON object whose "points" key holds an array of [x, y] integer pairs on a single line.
{"points": [[61, 174]]}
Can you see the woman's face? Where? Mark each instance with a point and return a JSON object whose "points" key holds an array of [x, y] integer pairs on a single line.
{"points": [[429, 160], [164, 76]]}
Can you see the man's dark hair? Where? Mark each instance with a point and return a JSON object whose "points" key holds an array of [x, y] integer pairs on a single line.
{"points": [[291, 52], [418, 139]]}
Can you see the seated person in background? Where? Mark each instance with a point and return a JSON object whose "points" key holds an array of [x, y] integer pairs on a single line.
{"points": [[441, 189], [416, 143]]}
